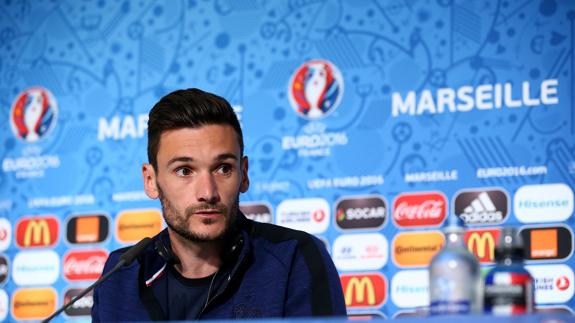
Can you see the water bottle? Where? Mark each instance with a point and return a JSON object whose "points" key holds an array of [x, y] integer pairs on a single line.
{"points": [[508, 286], [454, 276]]}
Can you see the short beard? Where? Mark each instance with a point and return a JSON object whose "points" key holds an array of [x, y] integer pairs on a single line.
{"points": [[177, 222]]}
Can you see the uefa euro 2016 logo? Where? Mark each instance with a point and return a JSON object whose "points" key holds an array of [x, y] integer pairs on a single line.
{"points": [[33, 114], [315, 89]]}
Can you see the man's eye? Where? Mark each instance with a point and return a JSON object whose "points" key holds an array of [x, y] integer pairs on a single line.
{"points": [[224, 169], [183, 171]]}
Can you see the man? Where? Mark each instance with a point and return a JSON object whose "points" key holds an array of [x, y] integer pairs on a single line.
{"points": [[211, 262]]}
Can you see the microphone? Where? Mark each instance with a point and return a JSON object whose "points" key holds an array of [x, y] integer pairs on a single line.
{"points": [[125, 260]]}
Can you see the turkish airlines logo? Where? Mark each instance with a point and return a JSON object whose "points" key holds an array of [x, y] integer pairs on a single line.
{"points": [[361, 213], [547, 243], [482, 243], [364, 290], [84, 264], [83, 306], [553, 283], [562, 283], [5, 234], [543, 203], [36, 267], [134, 225], [41, 231], [82, 229], [259, 212], [415, 249], [360, 251], [481, 207], [33, 303], [309, 214], [419, 209]]}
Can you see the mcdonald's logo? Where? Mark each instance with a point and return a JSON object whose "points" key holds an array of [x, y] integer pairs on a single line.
{"points": [[364, 290], [40, 231], [482, 243]]}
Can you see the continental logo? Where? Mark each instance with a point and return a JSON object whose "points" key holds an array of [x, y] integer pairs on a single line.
{"points": [[361, 212], [88, 228], [260, 212], [364, 290], [415, 249], [547, 243], [40, 231], [482, 243], [33, 303], [134, 225]]}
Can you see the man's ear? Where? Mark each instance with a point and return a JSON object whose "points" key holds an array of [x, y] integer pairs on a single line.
{"points": [[245, 184], [150, 185]]}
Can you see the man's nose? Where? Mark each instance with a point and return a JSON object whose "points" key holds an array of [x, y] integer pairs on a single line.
{"points": [[207, 189]]}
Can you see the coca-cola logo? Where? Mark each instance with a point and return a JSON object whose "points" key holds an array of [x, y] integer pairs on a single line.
{"points": [[84, 264], [361, 212], [419, 209]]}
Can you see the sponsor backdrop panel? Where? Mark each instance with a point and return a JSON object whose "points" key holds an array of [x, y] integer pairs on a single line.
{"points": [[366, 123]]}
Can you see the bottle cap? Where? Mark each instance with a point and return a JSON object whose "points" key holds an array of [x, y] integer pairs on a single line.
{"points": [[510, 244]]}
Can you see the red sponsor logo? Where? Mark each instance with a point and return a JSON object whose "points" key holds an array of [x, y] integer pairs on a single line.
{"points": [[318, 215], [364, 290], [482, 243], [84, 264], [419, 209], [39, 231], [562, 283]]}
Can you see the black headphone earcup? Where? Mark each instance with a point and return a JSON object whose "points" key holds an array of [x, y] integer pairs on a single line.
{"points": [[166, 253]]}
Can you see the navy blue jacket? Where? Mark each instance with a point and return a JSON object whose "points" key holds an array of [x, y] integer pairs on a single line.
{"points": [[269, 271]]}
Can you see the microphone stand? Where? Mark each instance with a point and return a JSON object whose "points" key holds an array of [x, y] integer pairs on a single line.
{"points": [[125, 259]]}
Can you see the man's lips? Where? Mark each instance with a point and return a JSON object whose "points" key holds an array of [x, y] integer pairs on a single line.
{"points": [[208, 212]]}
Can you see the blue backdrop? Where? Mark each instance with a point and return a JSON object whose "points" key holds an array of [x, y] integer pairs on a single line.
{"points": [[366, 122]]}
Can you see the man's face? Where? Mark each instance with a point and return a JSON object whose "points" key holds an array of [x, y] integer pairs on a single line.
{"points": [[198, 179]]}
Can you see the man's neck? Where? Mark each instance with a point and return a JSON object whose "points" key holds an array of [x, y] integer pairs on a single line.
{"points": [[197, 259]]}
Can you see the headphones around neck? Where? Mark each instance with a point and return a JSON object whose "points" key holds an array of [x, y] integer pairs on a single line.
{"points": [[165, 251]]}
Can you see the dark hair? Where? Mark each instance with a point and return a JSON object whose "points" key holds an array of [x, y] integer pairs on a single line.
{"points": [[191, 108]]}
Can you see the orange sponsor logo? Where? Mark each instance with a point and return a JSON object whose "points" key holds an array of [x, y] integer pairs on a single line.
{"points": [[364, 290], [88, 229], [544, 243], [37, 232], [33, 303], [415, 249], [482, 243], [134, 225]]}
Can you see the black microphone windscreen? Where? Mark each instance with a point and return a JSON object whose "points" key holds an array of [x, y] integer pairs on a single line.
{"points": [[135, 251]]}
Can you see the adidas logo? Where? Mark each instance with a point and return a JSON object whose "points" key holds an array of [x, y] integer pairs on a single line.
{"points": [[484, 207]]}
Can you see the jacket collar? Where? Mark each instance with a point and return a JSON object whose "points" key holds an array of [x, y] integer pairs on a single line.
{"points": [[238, 248]]}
